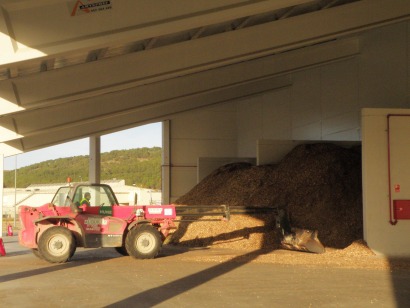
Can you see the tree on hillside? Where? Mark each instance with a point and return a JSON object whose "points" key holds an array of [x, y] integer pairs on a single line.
{"points": [[141, 167]]}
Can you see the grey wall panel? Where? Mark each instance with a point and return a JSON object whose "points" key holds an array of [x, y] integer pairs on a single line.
{"points": [[383, 70], [276, 115], [339, 88], [306, 98]]}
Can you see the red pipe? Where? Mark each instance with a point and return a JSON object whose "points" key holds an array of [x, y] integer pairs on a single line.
{"points": [[388, 169], [392, 222]]}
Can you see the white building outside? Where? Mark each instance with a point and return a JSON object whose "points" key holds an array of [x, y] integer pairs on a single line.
{"points": [[40, 194]]}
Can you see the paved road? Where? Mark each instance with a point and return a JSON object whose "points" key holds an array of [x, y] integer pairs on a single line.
{"points": [[103, 278]]}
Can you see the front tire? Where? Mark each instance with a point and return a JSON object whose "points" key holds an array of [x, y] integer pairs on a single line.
{"points": [[122, 250], [143, 242], [56, 245], [36, 253]]}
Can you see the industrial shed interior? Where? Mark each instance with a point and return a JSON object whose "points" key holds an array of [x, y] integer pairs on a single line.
{"points": [[230, 81]]}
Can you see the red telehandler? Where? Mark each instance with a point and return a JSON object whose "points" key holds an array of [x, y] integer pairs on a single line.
{"points": [[54, 230]]}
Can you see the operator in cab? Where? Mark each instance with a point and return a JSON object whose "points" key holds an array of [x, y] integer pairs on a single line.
{"points": [[86, 199]]}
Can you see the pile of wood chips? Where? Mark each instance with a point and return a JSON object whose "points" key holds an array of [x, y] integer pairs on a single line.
{"points": [[318, 184]]}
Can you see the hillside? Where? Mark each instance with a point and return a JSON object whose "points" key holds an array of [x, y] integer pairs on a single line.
{"points": [[141, 167]]}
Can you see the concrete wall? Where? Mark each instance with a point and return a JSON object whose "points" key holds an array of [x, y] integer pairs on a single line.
{"points": [[384, 234]]}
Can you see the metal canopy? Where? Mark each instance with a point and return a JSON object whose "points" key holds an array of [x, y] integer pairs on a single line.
{"points": [[139, 74]]}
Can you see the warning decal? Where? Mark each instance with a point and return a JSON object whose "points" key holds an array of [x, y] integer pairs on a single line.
{"points": [[88, 6]]}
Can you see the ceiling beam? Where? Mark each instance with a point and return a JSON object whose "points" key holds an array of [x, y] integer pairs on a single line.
{"points": [[148, 81], [69, 40], [57, 86], [194, 87], [153, 112]]}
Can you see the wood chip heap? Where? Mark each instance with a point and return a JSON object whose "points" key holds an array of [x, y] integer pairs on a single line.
{"points": [[318, 184]]}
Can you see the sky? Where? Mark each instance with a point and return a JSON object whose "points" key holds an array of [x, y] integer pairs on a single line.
{"points": [[149, 135]]}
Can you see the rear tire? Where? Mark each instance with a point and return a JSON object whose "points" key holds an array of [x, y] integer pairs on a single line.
{"points": [[143, 242], [56, 245]]}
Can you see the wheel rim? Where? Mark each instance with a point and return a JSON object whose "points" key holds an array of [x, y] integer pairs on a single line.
{"points": [[58, 245], [145, 242]]}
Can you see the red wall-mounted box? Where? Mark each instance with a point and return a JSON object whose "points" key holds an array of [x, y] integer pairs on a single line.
{"points": [[401, 209]]}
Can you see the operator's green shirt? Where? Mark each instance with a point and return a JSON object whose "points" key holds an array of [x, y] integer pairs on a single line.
{"points": [[84, 200]]}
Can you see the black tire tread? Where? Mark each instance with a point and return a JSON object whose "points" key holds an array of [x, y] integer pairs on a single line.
{"points": [[49, 233], [133, 236]]}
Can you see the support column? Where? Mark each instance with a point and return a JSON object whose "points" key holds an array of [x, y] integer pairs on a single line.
{"points": [[166, 161], [95, 160], [1, 192]]}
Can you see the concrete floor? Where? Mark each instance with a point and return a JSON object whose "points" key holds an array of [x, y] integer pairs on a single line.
{"points": [[103, 278]]}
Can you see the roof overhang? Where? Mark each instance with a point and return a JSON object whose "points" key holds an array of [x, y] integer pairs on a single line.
{"points": [[76, 76]]}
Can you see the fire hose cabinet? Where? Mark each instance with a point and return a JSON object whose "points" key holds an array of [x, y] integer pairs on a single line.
{"points": [[401, 209]]}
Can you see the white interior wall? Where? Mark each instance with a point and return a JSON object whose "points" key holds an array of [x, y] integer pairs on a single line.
{"points": [[273, 151], [322, 102], [306, 106], [206, 165], [249, 116], [208, 132]]}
